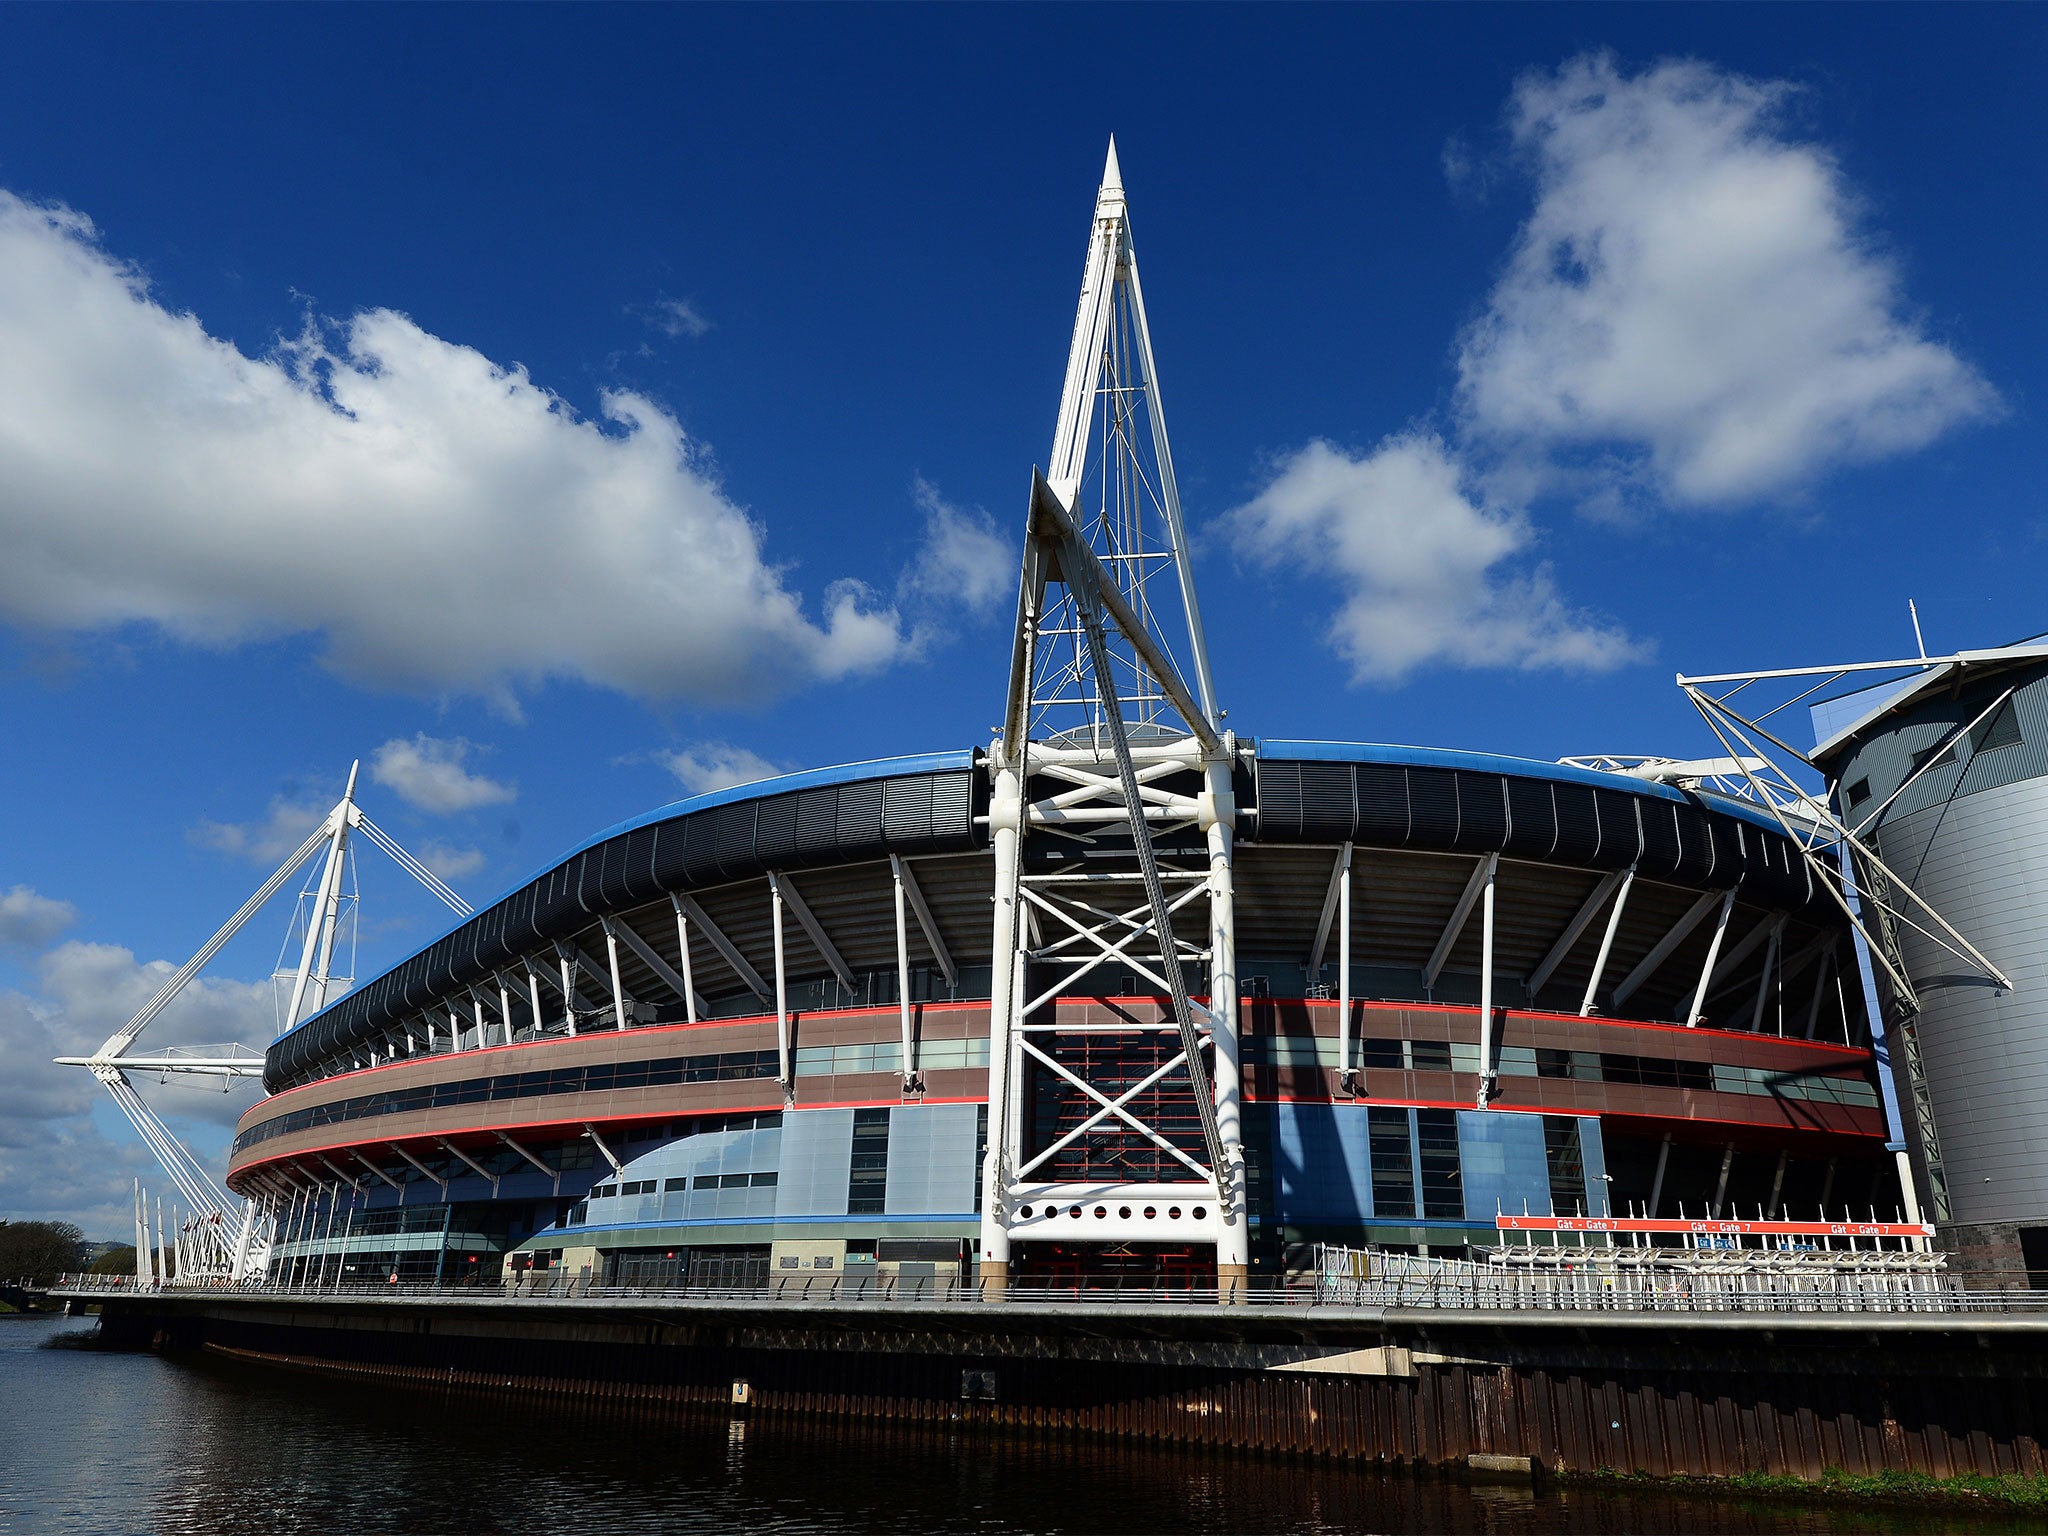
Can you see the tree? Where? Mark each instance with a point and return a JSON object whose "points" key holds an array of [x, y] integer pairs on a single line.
{"points": [[115, 1261], [39, 1251]]}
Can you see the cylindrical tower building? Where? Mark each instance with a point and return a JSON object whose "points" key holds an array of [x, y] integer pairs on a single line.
{"points": [[1945, 777]]}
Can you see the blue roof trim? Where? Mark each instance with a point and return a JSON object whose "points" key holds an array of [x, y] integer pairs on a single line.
{"points": [[810, 778], [1494, 762]]}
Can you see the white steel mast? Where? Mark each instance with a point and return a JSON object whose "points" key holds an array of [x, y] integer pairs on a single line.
{"points": [[1113, 819], [226, 1236]]}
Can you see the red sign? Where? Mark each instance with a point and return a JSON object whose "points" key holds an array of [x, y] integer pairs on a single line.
{"points": [[1704, 1226]]}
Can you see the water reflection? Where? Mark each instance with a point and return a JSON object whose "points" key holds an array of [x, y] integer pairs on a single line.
{"points": [[117, 1443]]}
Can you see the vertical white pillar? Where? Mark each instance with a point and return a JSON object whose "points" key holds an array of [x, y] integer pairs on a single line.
{"points": [[1699, 996], [1217, 814], [1006, 823], [683, 947], [568, 992], [1345, 1077], [1763, 983], [533, 997], [141, 1239], [1486, 981], [454, 1029], [611, 946], [909, 1064], [505, 1008], [781, 997]]}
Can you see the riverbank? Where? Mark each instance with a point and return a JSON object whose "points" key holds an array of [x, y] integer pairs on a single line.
{"points": [[2006, 1494]]}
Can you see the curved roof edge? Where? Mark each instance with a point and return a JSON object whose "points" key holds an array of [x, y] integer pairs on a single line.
{"points": [[808, 778], [1495, 762], [1272, 750]]}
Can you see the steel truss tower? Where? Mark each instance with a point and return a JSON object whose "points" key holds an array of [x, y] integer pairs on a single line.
{"points": [[1113, 817]]}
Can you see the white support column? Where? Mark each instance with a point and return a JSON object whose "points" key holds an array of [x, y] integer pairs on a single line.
{"points": [[1763, 983], [1908, 1194], [683, 946], [505, 1008], [1699, 996], [568, 989], [533, 998], [1593, 981], [1328, 920], [1218, 819], [1486, 984], [1345, 1076], [781, 998], [908, 1061], [141, 1239], [1006, 822], [454, 1029], [611, 946]]}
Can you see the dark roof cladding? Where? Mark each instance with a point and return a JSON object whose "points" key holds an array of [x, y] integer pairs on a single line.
{"points": [[1305, 792]]}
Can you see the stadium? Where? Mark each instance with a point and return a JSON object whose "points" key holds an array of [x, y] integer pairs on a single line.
{"points": [[1121, 997], [539, 1087]]}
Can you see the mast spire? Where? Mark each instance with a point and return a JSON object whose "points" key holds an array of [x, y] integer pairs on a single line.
{"points": [[1112, 727]]}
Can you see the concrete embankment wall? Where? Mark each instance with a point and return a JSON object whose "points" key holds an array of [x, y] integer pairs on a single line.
{"points": [[1697, 1396]]}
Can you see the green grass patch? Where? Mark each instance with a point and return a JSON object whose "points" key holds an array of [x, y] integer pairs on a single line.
{"points": [[2011, 1491]]}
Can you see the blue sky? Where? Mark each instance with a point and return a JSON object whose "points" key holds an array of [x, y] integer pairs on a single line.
{"points": [[560, 409]]}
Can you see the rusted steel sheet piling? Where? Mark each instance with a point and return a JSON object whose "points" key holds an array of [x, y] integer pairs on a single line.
{"points": [[1665, 1396]]}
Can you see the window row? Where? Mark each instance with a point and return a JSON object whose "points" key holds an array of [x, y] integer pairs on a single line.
{"points": [[1582, 1066], [604, 1078]]}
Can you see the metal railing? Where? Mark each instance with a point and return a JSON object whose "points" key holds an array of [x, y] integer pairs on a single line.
{"points": [[1591, 1290]]}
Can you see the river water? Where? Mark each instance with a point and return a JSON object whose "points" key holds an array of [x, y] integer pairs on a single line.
{"points": [[96, 1442]]}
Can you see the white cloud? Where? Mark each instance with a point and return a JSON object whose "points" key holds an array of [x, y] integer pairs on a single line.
{"points": [[96, 988], [444, 522], [54, 1160], [1423, 567], [676, 318], [29, 919], [1696, 293], [963, 560], [428, 775], [290, 822], [718, 765], [452, 863]]}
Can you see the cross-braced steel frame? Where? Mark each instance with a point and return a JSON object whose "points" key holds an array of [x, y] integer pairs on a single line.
{"points": [[1109, 755]]}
